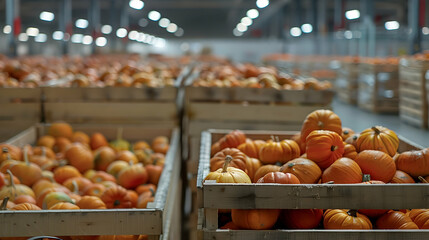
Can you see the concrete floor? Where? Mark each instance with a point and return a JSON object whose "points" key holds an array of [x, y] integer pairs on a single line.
{"points": [[358, 120]]}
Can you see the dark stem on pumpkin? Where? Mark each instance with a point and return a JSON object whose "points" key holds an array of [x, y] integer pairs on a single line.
{"points": [[320, 124], [272, 138], [152, 192], [366, 178], [43, 152], [75, 187], [228, 160], [4, 203], [27, 162], [330, 182], [5, 150], [116, 203], [352, 213], [422, 179], [333, 148], [376, 130], [277, 139]]}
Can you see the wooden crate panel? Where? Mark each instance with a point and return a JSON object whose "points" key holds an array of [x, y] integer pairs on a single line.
{"points": [[21, 112], [17, 95], [9, 129]]}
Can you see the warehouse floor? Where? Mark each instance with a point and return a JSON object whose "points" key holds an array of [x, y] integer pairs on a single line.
{"points": [[358, 120]]}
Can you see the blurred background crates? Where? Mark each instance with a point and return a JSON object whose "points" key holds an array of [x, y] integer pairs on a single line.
{"points": [[347, 80]]}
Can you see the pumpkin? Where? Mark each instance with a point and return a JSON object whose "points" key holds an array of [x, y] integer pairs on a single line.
{"points": [[345, 219], [378, 138], [103, 156], [141, 145], [61, 144], [230, 225], [64, 206], [415, 163], [76, 184], [372, 213], [297, 138], [377, 164], [352, 140], [263, 170], [228, 174], [252, 165], [301, 218], [157, 159], [144, 156], [119, 144], [53, 198], [231, 140], [80, 157], [127, 156], [401, 177], [61, 129], [343, 171], [349, 151], [5, 179], [43, 184], [41, 197], [251, 148], [61, 174], [80, 137], [160, 144], [420, 217], [10, 152], [279, 177], [395, 220], [100, 176], [98, 140], [321, 120], [324, 147], [46, 141], [24, 199], [43, 161], [115, 167], [305, 170], [145, 188], [25, 207], [255, 219], [28, 173], [96, 189], [145, 198], [44, 151], [13, 190], [91, 202], [279, 151], [132, 176], [154, 172], [347, 132], [116, 197], [238, 159]]}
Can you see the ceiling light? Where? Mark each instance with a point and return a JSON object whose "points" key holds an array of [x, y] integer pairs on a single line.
{"points": [[262, 3], [295, 32], [246, 21], [142, 37], [307, 28], [41, 37], [237, 33], [23, 37], [160, 42], [77, 38], [7, 29], [87, 40], [81, 23], [57, 35], [241, 27], [172, 28], [391, 25], [133, 35], [154, 15], [101, 41], [32, 31], [143, 22], [179, 32], [121, 32], [253, 13], [136, 4], [106, 29], [425, 31], [352, 14], [164, 22], [47, 16], [348, 34]]}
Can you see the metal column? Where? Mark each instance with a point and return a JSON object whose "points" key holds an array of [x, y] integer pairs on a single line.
{"points": [[415, 35], [94, 22], [65, 24], [14, 21], [367, 42]]}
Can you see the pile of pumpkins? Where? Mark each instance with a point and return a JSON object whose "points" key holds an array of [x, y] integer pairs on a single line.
{"points": [[323, 152], [71, 170]]}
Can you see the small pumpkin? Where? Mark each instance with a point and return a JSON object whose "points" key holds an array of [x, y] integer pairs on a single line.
{"points": [[378, 138], [252, 165], [321, 120], [13, 190], [28, 173], [263, 170], [154, 172], [25, 207], [255, 219], [64, 206], [238, 159], [352, 140], [395, 220], [279, 151], [61, 174], [301, 218], [145, 188], [80, 157], [347, 132], [132, 176], [401, 177], [145, 198], [127, 156], [377, 164], [349, 151], [61, 129], [345, 219], [103, 156], [80, 137], [415, 163], [24, 199], [116, 197], [141, 145], [91, 202], [46, 141], [307, 171], [100, 176], [343, 171], [115, 167], [228, 174], [98, 140], [119, 144], [324, 147], [420, 217], [53, 198], [297, 138], [230, 140], [160, 144], [251, 147], [61, 144], [279, 177], [96, 189]]}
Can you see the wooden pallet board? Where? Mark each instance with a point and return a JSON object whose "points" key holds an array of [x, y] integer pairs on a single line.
{"points": [[151, 221]]}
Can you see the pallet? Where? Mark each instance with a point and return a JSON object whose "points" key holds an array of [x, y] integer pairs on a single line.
{"points": [[214, 196], [21, 106], [413, 105], [379, 88], [347, 82], [160, 220]]}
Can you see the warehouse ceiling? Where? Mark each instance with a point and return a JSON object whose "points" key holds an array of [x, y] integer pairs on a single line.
{"points": [[200, 18]]}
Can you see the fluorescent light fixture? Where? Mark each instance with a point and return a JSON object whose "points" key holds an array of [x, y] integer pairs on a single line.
{"points": [[106, 29], [143, 22], [391, 25], [295, 32], [262, 3], [32, 31], [246, 21], [121, 32], [77, 38], [172, 28], [41, 38], [142, 37], [58, 35], [237, 33], [81, 23], [154, 15], [352, 14], [160, 42], [7, 29], [136, 4], [133, 35], [150, 39], [307, 28], [101, 41], [241, 27], [23, 37], [179, 32], [47, 16], [253, 13], [425, 30], [87, 40], [348, 34], [164, 22]]}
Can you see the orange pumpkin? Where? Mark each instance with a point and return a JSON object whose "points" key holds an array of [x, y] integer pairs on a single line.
{"points": [[305, 170], [279, 151], [297, 138], [96, 189], [10, 152], [25, 207], [343, 171], [378, 138], [28, 173], [145, 188], [401, 177], [91, 202], [251, 148], [349, 151], [252, 165], [46, 141], [395, 220], [230, 225], [238, 159], [61, 129], [103, 156], [127, 156], [76, 184], [263, 170], [415, 163], [352, 140], [301, 218], [80, 157], [115, 167], [231, 140], [132, 176], [141, 145], [61, 144], [279, 177], [117, 197], [420, 217], [255, 219], [24, 199], [100, 176], [98, 140], [61, 174], [324, 147], [64, 206], [228, 174], [145, 198], [154, 173], [53, 198], [80, 137], [5, 180], [321, 120], [42, 150], [41, 197], [377, 164], [347, 132], [345, 219], [160, 144]]}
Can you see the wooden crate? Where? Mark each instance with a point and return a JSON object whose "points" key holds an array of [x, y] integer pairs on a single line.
{"points": [[161, 220], [379, 87], [413, 105], [347, 82], [214, 196]]}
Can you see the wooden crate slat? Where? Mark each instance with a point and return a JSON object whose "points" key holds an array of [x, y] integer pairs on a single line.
{"points": [[20, 111], [9, 95]]}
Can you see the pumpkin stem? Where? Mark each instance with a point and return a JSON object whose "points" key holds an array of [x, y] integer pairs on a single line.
{"points": [[75, 187], [320, 124], [27, 162], [422, 179], [366, 178], [277, 139], [346, 132], [116, 202], [43, 152], [352, 213], [4, 203], [12, 184], [152, 192], [333, 148], [330, 182], [376, 130], [5, 150], [272, 138], [228, 159]]}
